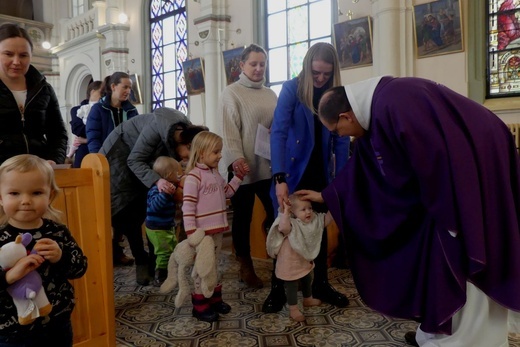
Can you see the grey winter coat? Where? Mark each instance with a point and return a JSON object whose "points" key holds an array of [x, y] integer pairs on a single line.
{"points": [[143, 139]]}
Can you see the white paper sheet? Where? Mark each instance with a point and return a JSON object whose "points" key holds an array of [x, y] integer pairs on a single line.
{"points": [[262, 142]]}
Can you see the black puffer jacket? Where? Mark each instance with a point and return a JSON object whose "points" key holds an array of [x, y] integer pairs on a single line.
{"points": [[40, 129]]}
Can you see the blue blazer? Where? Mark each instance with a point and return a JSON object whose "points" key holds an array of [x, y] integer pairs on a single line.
{"points": [[292, 140]]}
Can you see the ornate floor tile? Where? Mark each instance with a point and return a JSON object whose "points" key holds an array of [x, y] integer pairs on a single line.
{"points": [[147, 318]]}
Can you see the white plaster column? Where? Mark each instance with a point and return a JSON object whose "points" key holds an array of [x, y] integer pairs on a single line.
{"points": [[115, 53], [211, 28], [393, 37], [112, 11]]}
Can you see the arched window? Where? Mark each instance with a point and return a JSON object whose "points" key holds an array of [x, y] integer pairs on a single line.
{"points": [[292, 26], [503, 48], [169, 49]]}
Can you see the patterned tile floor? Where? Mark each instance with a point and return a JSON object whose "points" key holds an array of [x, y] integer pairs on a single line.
{"points": [[145, 317]]}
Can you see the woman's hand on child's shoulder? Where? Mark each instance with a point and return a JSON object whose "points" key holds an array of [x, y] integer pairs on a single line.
{"points": [[165, 186]]}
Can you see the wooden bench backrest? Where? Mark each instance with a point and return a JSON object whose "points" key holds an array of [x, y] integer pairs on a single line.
{"points": [[84, 200]]}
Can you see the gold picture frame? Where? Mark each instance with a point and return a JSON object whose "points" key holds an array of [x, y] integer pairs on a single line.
{"points": [[135, 93], [353, 42], [438, 28]]}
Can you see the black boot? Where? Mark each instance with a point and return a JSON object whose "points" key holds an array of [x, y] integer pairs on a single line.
{"points": [[216, 303], [409, 337], [276, 298], [141, 274], [325, 292], [321, 289], [201, 309], [159, 277]]}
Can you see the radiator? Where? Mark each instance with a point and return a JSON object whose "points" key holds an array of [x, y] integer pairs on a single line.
{"points": [[515, 129]]}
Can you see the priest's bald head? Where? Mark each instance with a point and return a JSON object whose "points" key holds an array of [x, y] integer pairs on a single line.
{"points": [[347, 110], [335, 112]]}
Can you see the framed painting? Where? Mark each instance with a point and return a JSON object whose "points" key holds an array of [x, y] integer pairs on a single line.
{"points": [[194, 75], [438, 28], [353, 42], [135, 93], [231, 60]]}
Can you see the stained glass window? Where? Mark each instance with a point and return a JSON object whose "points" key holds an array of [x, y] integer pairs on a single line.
{"points": [[503, 61], [292, 27], [169, 49]]}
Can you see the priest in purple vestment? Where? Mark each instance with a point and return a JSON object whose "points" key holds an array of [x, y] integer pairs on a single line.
{"points": [[429, 207]]}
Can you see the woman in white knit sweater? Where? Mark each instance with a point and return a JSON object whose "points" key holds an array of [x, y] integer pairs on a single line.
{"points": [[244, 105]]}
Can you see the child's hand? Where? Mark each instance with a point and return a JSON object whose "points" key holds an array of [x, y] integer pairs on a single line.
{"points": [[246, 168], [240, 168], [286, 208], [23, 267], [48, 249]]}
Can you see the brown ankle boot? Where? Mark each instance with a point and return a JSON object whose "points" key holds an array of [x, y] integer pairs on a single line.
{"points": [[247, 273]]}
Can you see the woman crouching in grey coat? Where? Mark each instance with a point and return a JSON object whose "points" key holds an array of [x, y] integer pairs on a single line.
{"points": [[131, 148]]}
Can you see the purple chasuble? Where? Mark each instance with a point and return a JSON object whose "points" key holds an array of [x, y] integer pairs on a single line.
{"points": [[431, 162]]}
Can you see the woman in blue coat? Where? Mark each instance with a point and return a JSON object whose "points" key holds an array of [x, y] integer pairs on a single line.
{"points": [[112, 110], [305, 154]]}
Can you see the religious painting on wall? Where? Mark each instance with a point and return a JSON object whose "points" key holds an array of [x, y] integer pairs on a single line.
{"points": [[231, 60], [438, 28], [194, 76], [503, 48], [353, 42]]}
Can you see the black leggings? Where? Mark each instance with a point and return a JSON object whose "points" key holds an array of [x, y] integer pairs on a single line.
{"points": [[243, 202], [291, 289], [129, 222]]}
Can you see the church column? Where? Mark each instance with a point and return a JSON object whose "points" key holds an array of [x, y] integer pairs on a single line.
{"points": [[115, 51], [393, 37], [212, 26]]}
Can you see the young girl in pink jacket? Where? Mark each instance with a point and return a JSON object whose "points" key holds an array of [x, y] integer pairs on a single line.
{"points": [[204, 207]]}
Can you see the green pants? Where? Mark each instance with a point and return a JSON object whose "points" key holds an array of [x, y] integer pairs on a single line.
{"points": [[163, 241]]}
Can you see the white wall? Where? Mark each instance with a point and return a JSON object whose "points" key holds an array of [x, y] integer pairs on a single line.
{"points": [[449, 69]]}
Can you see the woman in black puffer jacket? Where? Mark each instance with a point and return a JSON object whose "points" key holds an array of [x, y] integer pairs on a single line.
{"points": [[30, 116]]}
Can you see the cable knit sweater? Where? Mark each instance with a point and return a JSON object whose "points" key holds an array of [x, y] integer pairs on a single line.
{"points": [[243, 105], [204, 200]]}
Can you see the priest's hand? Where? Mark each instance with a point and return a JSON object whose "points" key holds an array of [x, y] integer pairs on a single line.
{"points": [[310, 195]]}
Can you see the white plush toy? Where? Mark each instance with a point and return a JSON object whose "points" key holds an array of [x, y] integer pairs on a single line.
{"points": [[28, 294], [197, 251]]}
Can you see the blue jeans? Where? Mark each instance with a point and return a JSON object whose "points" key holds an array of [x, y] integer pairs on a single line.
{"points": [[58, 335]]}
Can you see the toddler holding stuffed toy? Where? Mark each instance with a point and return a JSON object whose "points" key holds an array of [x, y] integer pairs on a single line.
{"points": [[204, 207], [294, 240], [27, 189]]}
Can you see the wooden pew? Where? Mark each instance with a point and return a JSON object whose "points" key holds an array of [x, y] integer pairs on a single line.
{"points": [[84, 200]]}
